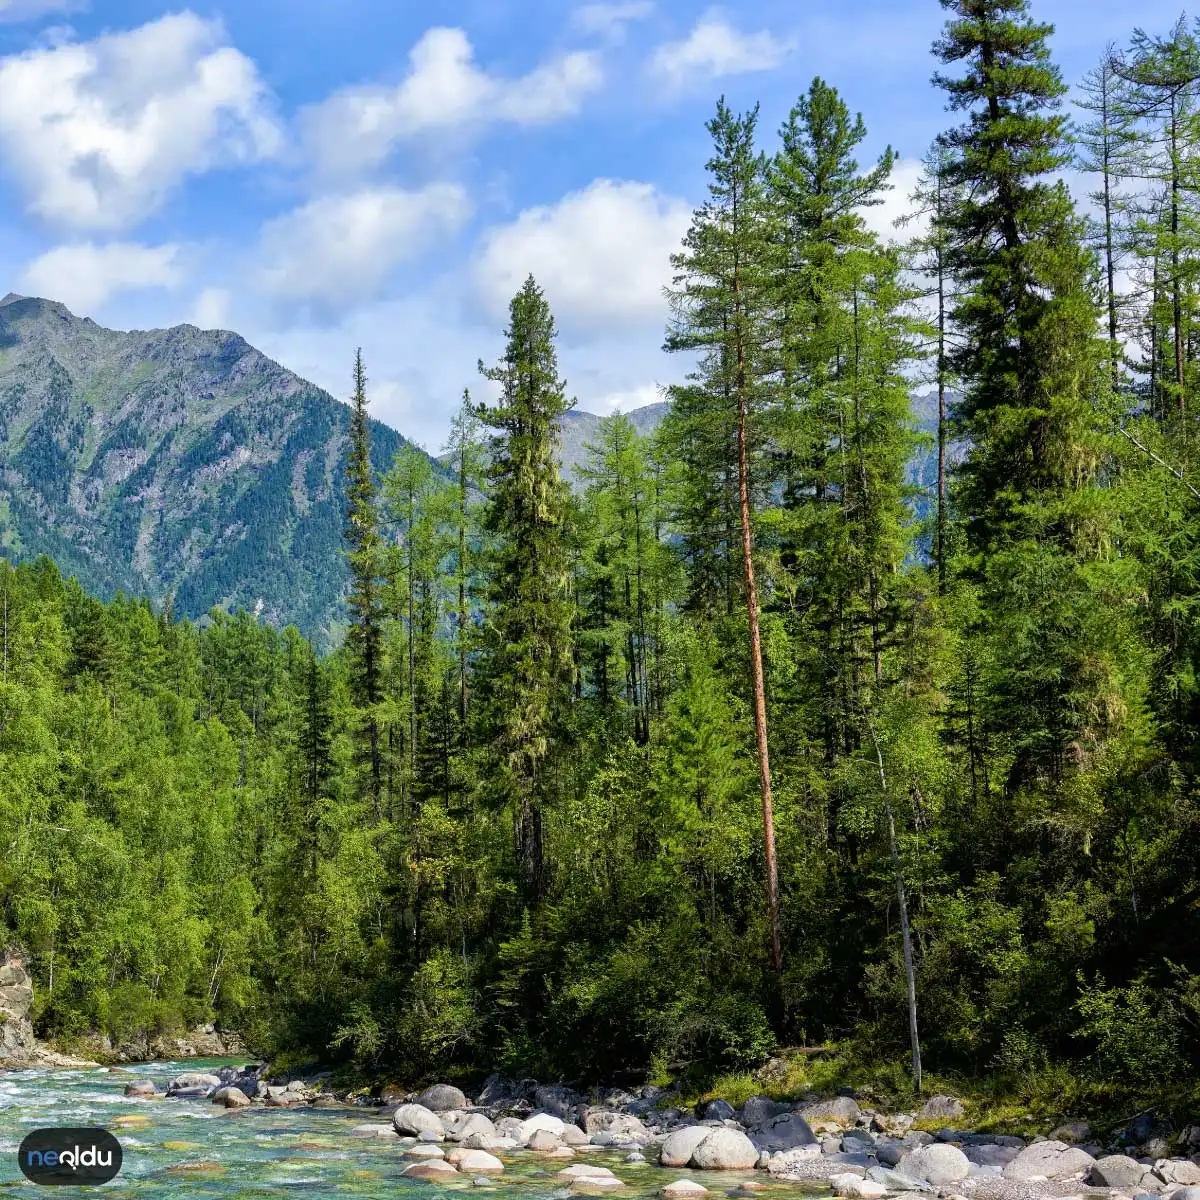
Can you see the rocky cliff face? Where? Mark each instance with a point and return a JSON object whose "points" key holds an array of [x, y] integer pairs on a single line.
{"points": [[18, 1047], [176, 463]]}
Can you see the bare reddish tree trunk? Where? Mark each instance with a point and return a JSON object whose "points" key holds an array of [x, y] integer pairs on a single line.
{"points": [[756, 667]]}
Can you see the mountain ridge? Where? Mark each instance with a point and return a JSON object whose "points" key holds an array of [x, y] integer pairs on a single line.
{"points": [[179, 463]]}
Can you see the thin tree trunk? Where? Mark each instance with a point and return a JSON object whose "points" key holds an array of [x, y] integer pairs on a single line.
{"points": [[756, 665], [462, 590], [1109, 253], [905, 930], [941, 381]]}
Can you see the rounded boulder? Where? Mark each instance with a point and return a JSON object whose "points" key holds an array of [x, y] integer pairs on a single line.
{"points": [[416, 1119], [677, 1150], [938, 1164], [725, 1150], [442, 1097], [1053, 1160]]}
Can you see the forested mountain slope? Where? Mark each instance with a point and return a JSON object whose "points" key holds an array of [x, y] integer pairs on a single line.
{"points": [[174, 463]]}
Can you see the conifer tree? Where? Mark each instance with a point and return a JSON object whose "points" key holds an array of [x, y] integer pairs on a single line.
{"points": [[466, 450], [720, 304], [528, 651], [364, 639]]}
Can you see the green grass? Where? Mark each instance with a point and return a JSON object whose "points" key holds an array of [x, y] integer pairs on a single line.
{"points": [[1024, 1103]]}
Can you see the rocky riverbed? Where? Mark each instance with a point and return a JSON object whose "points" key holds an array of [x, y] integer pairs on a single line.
{"points": [[593, 1142]]}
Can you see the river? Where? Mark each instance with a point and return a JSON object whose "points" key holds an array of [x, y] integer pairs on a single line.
{"points": [[193, 1148]]}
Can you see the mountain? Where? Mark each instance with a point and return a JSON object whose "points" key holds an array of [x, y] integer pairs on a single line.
{"points": [[176, 463], [578, 428]]}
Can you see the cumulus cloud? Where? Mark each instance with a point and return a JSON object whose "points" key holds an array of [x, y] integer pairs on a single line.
{"points": [[714, 48], [602, 254], [99, 133], [609, 20], [83, 276], [28, 10], [341, 249], [211, 308], [897, 203], [444, 89]]}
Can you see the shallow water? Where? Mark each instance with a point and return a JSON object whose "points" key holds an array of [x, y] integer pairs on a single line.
{"points": [[193, 1148]]}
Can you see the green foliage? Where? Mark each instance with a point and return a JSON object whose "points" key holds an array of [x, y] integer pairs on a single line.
{"points": [[514, 822]]}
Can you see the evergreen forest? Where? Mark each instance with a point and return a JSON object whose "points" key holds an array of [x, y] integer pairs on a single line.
{"points": [[739, 744]]}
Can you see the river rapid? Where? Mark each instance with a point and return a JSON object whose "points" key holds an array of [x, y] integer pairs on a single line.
{"points": [[193, 1148]]}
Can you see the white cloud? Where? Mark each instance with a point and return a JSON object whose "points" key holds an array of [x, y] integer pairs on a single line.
{"points": [[714, 48], [897, 203], [609, 20], [602, 254], [626, 400], [100, 132], [211, 308], [340, 250], [85, 275], [28, 10], [443, 90]]}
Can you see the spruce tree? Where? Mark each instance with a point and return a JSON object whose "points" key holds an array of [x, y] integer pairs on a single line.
{"points": [[364, 639], [528, 640]]}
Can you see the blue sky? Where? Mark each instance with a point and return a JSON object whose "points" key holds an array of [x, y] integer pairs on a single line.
{"points": [[323, 174]]}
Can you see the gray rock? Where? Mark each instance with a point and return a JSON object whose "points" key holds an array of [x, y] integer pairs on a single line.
{"points": [[193, 1079], [830, 1143], [725, 1150], [1181, 1172], [141, 1087], [941, 1108], [679, 1146], [937, 1164], [718, 1110], [461, 1125], [760, 1109], [230, 1097], [509, 1127], [840, 1110], [572, 1135], [857, 1139], [916, 1138], [441, 1098], [416, 1119], [635, 1156], [547, 1121], [542, 1139], [1186, 1193], [889, 1150], [783, 1132], [1117, 1171], [375, 1129], [989, 1154], [897, 1181], [1075, 1133], [619, 1124], [555, 1099], [480, 1161], [1054, 1160]]}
